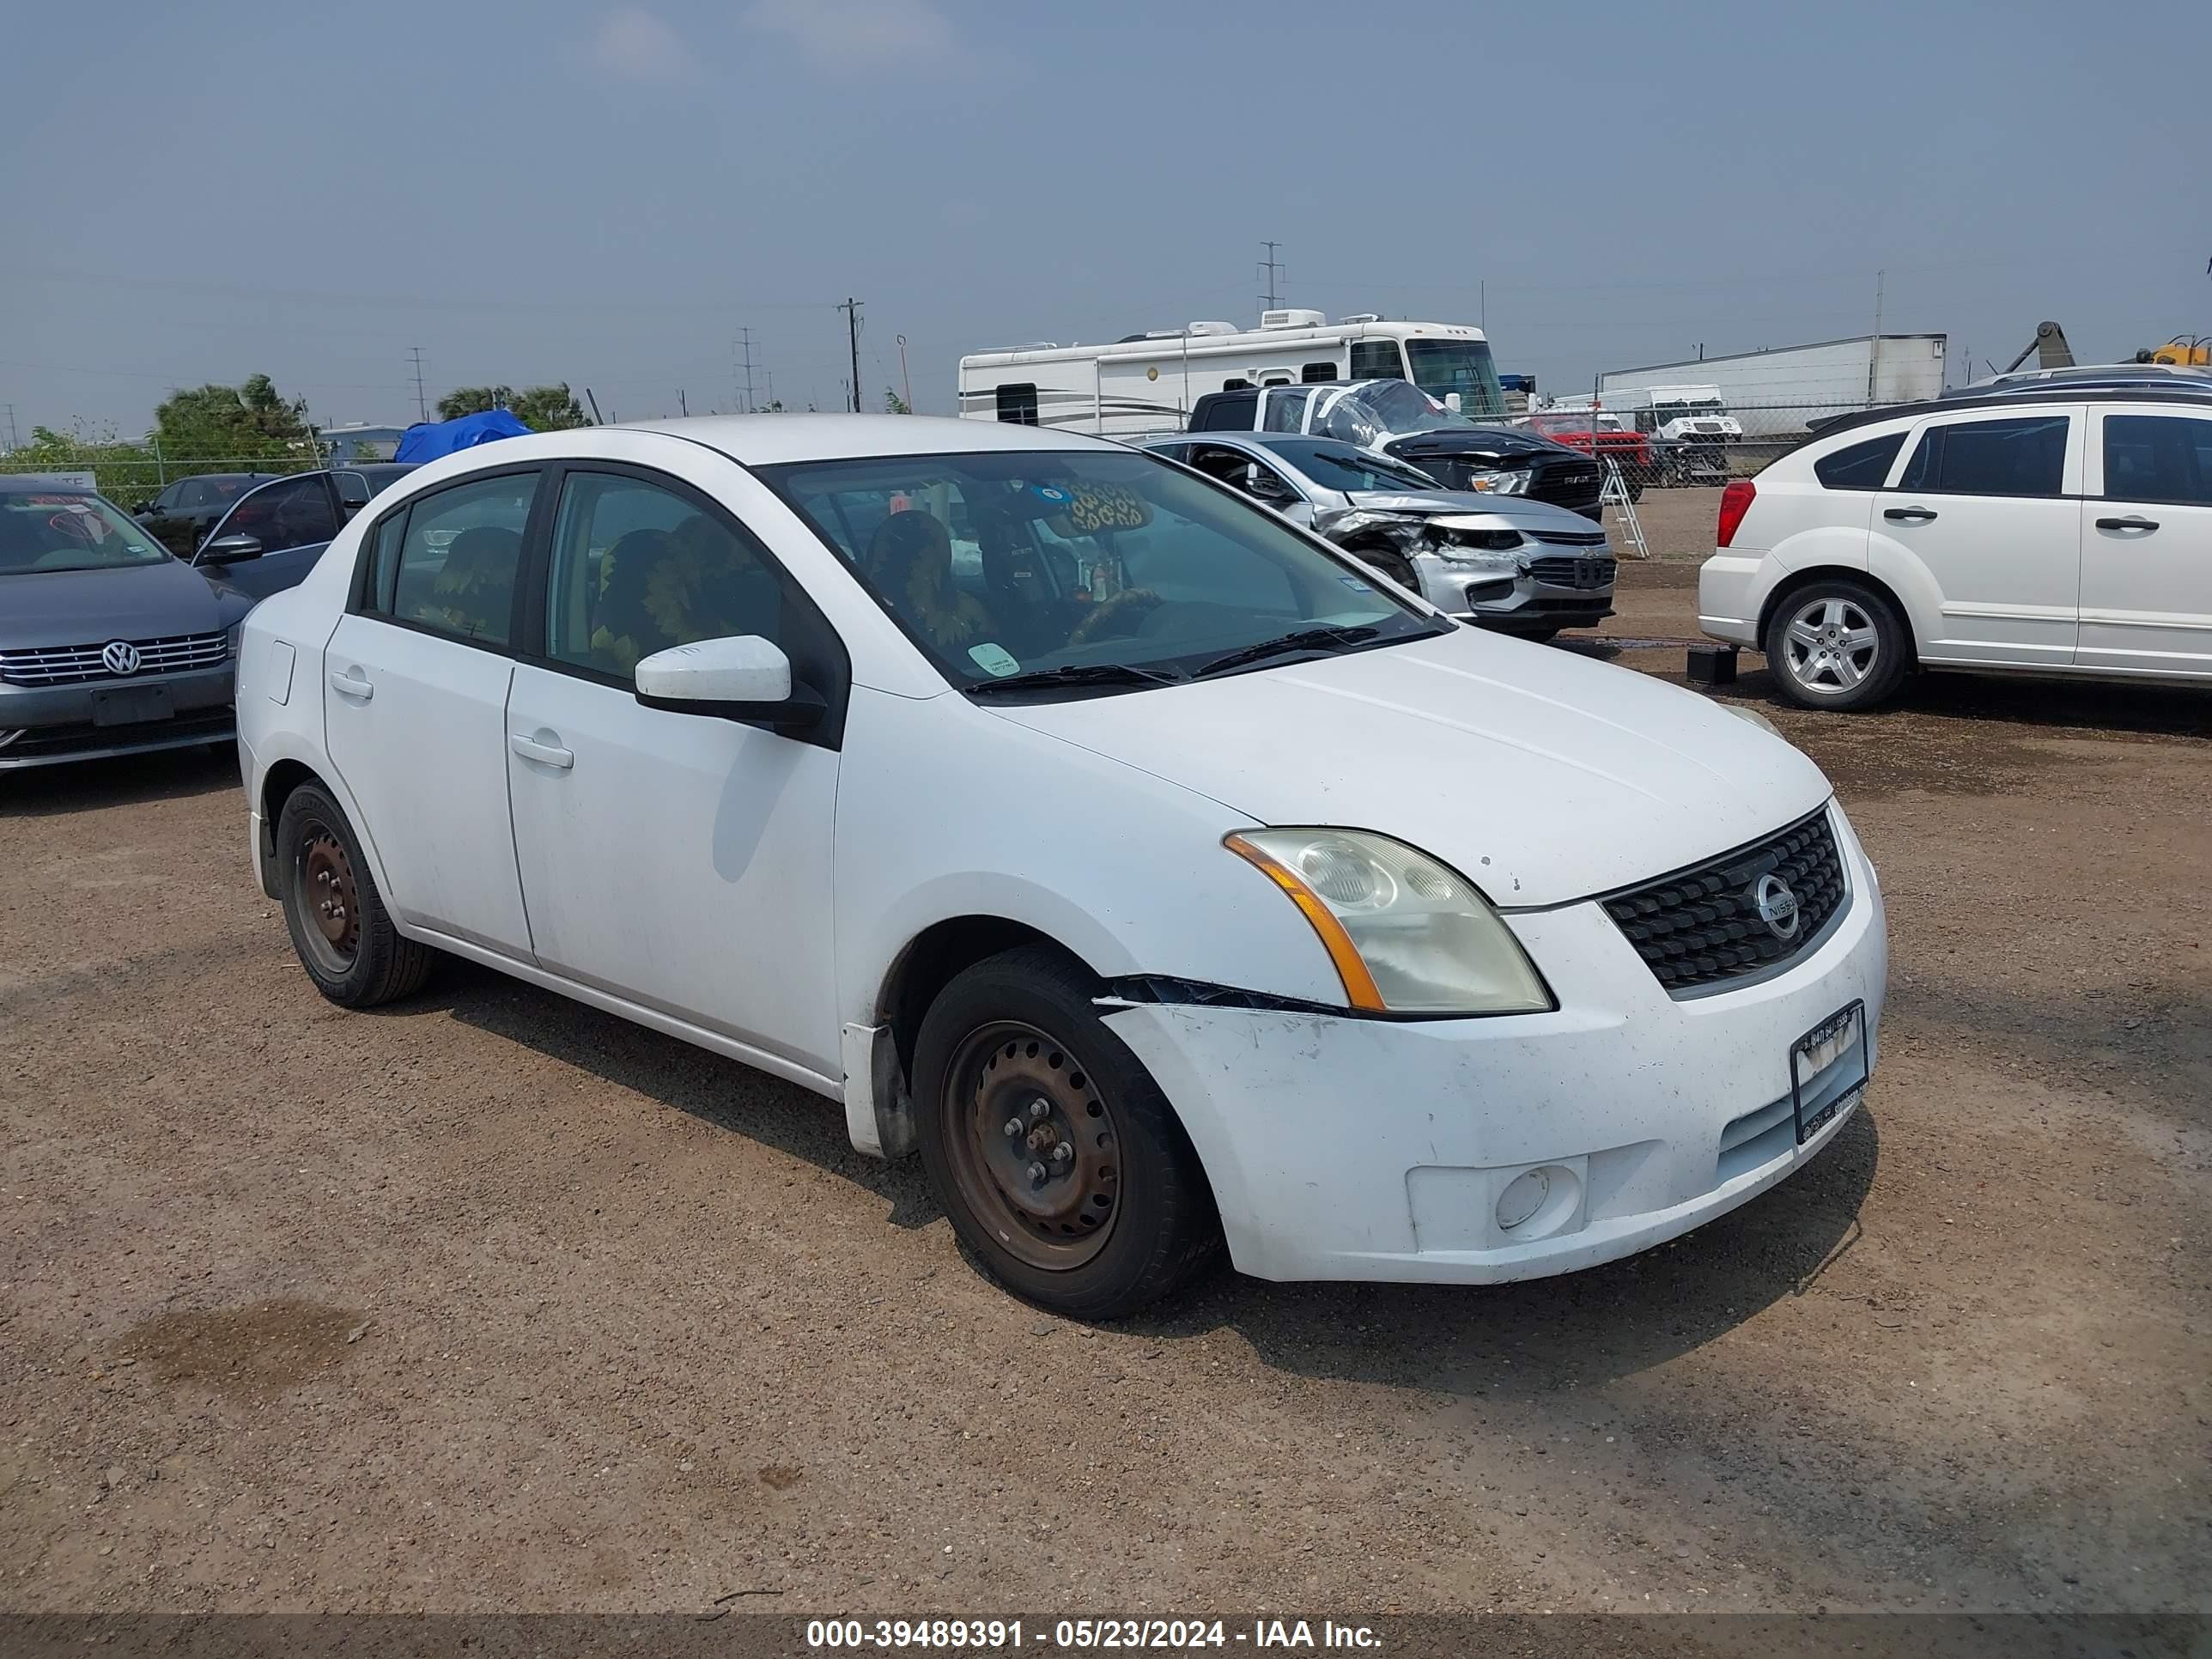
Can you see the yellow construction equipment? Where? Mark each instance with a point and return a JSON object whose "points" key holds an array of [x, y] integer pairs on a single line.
{"points": [[2182, 350]]}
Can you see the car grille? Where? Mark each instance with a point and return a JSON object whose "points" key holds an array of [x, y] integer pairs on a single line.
{"points": [[1585, 573], [1702, 925], [73, 665], [1571, 538], [1565, 483]]}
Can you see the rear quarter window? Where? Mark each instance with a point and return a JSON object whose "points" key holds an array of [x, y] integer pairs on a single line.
{"points": [[1860, 465]]}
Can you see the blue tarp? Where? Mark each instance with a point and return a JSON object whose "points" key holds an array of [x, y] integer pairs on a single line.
{"points": [[427, 440]]}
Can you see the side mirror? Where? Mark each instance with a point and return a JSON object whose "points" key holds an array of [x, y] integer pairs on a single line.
{"points": [[235, 548], [1451, 402], [747, 678]]}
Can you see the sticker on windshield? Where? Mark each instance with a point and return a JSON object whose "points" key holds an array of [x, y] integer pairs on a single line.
{"points": [[1355, 584], [993, 660]]}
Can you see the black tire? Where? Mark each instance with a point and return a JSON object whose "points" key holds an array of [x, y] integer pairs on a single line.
{"points": [[342, 934], [1130, 1217], [1838, 644]]}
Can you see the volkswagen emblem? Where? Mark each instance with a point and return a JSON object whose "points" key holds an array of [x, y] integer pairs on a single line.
{"points": [[1777, 906], [120, 657]]}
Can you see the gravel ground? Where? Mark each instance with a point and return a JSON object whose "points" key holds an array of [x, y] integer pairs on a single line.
{"points": [[487, 1300]]}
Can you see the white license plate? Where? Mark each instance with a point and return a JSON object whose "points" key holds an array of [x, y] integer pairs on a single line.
{"points": [[1818, 1094]]}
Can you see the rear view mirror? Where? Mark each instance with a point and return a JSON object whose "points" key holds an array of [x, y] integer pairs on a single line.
{"points": [[747, 678], [229, 550], [1451, 402]]}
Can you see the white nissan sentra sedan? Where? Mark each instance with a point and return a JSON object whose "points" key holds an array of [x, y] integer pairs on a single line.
{"points": [[1163, 879]]}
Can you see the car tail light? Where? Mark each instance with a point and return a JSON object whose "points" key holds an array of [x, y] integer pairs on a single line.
{"points": [[1735, 502]]}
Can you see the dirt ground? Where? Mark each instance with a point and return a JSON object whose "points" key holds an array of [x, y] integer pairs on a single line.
{"points": [[490, 1302]]}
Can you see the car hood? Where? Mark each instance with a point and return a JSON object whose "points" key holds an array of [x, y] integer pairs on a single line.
{"points": [[135, 602], [1492, 443], [1516, 511], [1543, 776]]}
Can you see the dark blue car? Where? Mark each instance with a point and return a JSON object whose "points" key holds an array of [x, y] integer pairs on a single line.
{"points": [[273, 534]]}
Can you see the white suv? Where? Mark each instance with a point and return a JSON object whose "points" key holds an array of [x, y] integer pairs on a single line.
{"points": [[2053, 532]]}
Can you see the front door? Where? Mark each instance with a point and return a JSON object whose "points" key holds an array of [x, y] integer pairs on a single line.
{"points": [[682, 861], [1983, 506], [413, 713], [294, 519], [2147, 543]]}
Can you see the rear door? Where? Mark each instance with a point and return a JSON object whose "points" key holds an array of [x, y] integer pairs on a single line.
{"points": [[1986, 507], [415, 711], [2147, 541]]}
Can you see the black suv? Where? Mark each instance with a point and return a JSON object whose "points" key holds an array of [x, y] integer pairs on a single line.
{"points": [[1397, 418]]}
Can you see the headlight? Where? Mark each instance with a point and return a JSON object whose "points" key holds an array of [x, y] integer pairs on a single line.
{"points": [[232, 636], [1408, 935], [1498, 484], [1755, 718]]}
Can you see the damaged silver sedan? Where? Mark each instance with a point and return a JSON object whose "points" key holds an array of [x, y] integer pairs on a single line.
{"points": [[1514, 565]]}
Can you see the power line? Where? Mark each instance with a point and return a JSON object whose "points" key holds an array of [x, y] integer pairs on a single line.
{"points": [[421, 407]]}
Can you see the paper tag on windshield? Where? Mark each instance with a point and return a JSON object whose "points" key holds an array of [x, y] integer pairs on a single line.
{"points": [[993, 660]]}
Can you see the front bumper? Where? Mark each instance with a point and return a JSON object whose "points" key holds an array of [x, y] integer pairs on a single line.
{"points": [[56, 724], [1358, 1149], [1512, 604]]}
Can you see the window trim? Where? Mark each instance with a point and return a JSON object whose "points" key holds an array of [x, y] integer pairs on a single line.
{"points": [[535, 529], [534, 585]]}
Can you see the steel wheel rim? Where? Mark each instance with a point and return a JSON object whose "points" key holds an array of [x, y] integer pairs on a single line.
{"points": [[1007, 1073], [1830, 646], [327, 897]]}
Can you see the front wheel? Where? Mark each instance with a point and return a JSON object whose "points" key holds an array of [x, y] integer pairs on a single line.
{"points": [[1835, 645], [1058, 1160], [344, 937]]}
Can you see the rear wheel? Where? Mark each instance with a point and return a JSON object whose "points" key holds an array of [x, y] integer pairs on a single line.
{"points": [[1835, 645], [340, 929], [1059, 1162]]}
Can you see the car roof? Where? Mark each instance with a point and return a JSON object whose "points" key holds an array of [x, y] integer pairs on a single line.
{"points": [[770, 439], [1254, 439], [2180, 398]]}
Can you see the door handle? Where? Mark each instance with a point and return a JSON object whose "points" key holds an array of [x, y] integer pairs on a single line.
{"points": [[2133, 521], [1908, 514], [352, 683], [545, 753]]}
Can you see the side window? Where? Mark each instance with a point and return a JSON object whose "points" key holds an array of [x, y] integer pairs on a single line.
{"points": [[289, 514], [383, 562], [457, 560], [2158, 457], [1859, 466], [1236, 383], [638, 569], [1226, 411], [1376, 360], [2025, 456], [1017, 405], [1314, 372]]}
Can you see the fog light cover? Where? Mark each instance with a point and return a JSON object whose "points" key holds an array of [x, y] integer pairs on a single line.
{"points": [[1523, 1196]]}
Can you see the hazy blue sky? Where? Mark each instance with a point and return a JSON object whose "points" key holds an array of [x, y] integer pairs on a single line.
{"points": [[605, 194]]}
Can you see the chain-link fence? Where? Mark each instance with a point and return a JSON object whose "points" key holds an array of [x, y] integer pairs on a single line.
{"points": [[1681, 446]]}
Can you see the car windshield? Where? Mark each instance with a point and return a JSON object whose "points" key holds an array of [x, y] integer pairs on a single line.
{"points": [[68, 530], [1104, 571], [1366, 414], [1462, 366], [1678, 410], [1339, 466]]}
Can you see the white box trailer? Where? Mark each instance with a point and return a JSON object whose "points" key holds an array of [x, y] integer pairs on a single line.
{"points": [[1776, 393], [1144, 385]]}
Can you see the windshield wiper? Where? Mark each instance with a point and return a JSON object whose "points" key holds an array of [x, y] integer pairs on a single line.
{"points": [[1306, 639], [1080, 673]]}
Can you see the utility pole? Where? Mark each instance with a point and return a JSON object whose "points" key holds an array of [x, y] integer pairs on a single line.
{"points": [[1874, 346], [852, 310], [13, 442], [746, 334], [905, 379], [421, 407], [1273, 268]]}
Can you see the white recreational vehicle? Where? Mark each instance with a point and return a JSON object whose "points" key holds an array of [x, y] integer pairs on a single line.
{"points": [[1144, 385]]}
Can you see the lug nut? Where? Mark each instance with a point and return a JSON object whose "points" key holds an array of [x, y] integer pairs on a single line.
{"points": [[1037, 1110], [1037, 1172], [1062, 1153], [1013, 1128]]}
